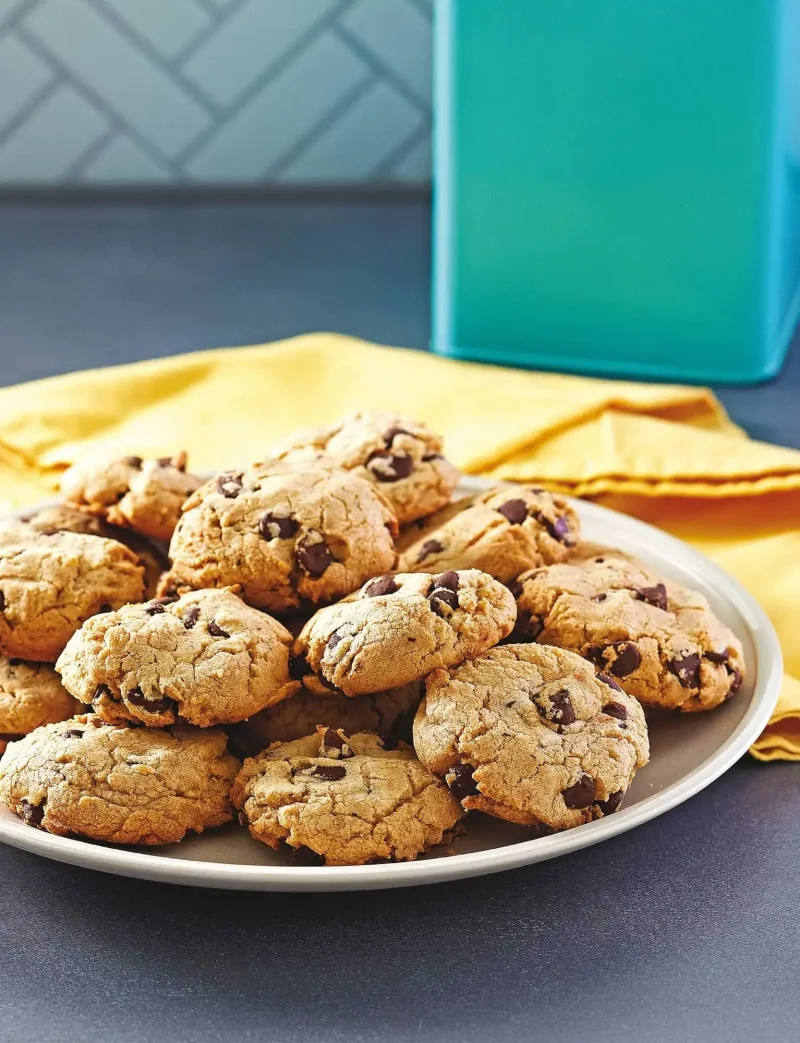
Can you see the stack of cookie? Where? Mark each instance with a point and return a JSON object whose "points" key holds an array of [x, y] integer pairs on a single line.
{"points": [[387, 660]]}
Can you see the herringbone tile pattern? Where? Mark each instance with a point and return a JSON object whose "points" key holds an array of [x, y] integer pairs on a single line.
{"points": [[214, 91]]}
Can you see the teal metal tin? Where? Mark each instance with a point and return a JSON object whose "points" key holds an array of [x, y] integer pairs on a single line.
{"points": [[617, 185]]}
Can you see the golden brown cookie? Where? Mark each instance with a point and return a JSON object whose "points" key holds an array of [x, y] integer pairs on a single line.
{"points": [[347, 799], [528, 733], [121, 785], [206, 658], [31, 694], [388, 714], [398, 628], [661, 641], [504, 531], [64, 518], [143, 495], [401, 456], [286, 532], [51, 584]]}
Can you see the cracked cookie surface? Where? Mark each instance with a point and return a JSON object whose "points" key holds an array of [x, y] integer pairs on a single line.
{"points": [[286, 532], [143, 495], [529, 734], [64, 518], [347, 799], [504, 532], [117, 784], [206, 658], [659, 640], [401, 456], [50, 584], [388, 714], [397, 628], [31, 694]]}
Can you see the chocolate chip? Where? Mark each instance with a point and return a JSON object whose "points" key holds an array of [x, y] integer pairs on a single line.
{"points": [[216, 630], [154, 608], [736, 683], [687, 670], [133, 461], [594, 653], [72, 733], [298, 667], [428, 547], [191, 617], [437, 598], [334, 640], [392, 433], [616, 710], [447, 580], [599, 597], [273, 527], [329, 772], [389, 467], [611, 803], [716, 657], [460, 781], [230, 484], [382, 585], [157, 705], [428, 457], [102, 690], [560, 710], [514, 511], [165, 461], [31, 814], [313, 558], [332, 740], [581, 793], [628, 660], [558, 530], [609, 681], [656, 595], [599, 560]]}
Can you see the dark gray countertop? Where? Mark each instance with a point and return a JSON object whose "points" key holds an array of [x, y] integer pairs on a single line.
{"points": [[685, 929]]}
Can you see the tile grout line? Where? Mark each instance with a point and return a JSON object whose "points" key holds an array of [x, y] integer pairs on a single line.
{"points": [[8, 129], [417, 136], [73, 172], [329, 119], [257, 85], [115, 120], [141, 43], [382, 70], [218, 19]]}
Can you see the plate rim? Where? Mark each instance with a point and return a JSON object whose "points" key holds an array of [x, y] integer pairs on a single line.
{"points": [[240, 876]]}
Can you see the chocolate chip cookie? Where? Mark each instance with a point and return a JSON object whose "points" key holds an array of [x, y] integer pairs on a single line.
{"points": [[51, 584], [403, 457], [659, 640], [503, 532], [64, 518], [388, 714], [527, 733], [31, 694], [143, 495], [347, 799], [397, 628], [286, 532], [121, 785], [206, 658]]}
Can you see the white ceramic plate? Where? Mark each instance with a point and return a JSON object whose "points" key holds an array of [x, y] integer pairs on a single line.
{"points": [[688, 751]]}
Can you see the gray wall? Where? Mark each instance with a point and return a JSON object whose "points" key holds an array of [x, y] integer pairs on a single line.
{"points": [[207, 92]]}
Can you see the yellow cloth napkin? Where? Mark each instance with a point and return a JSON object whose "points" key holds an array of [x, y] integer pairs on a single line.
{"points": [[665, 453]]}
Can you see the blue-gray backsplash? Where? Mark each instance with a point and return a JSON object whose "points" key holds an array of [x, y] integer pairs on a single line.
{"points": [[153, 92]]}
